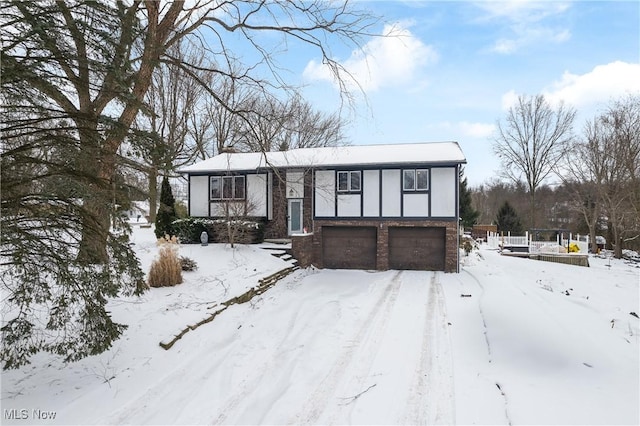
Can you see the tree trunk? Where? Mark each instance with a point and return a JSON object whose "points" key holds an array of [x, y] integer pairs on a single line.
{"points": [[593, 223], [532, 210], [153, 193], [617, 252], [95, 230]]}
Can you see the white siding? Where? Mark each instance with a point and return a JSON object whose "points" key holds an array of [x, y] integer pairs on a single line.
{"points": [[325, 201], [443, 192], [199, 195], [391, 193], [415, 205], [371, 193], [349, 205], [295, 184], [257, 195], [235, 208]]}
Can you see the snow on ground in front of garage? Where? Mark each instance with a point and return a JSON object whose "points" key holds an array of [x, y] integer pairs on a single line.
{"points": [[505, 341]]}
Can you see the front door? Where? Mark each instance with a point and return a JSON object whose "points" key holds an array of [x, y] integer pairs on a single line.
{"points": [[295, 216]]}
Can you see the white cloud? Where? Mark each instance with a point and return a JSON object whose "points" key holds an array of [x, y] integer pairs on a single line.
{"points": [[509, 99], [394, 59], [600, 85], [477, 130], [523, 10], [525, 36], [465, 129], [524, 19]]}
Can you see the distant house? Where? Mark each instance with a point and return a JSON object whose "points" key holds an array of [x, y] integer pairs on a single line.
{"points": [[368, 207]]}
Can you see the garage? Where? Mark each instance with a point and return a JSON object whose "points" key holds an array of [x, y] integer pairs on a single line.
{"points": [[417, 248], [349, 247]]}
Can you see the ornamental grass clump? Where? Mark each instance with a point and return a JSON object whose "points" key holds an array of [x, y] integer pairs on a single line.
{"points": [[166, 270]]}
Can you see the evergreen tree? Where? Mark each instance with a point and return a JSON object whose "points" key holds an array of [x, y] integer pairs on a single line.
{"points": [[468, 214], [166, 211], [508, 219]]}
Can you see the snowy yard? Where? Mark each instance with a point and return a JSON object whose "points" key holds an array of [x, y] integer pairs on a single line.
{"points": [[505, 341]]}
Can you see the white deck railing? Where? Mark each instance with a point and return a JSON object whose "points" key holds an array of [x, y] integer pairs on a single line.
{"points": [[497, 241]]}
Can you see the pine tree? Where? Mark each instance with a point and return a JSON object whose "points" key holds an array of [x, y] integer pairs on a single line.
{"points": [[468, 214], [508, 219], [166, 211]]}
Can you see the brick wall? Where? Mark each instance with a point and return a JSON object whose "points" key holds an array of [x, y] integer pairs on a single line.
{"points": [[278, 226], [302, 249], [382, 255]]}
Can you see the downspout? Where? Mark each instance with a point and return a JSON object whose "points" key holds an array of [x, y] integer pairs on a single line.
{"points": [[458, 218]]}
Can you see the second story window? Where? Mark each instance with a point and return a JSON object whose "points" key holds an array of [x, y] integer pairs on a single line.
{"points": [[415, 180], [227, 188], [349, 181]]}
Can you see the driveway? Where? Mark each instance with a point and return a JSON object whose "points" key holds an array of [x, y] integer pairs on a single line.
{"points": [[325, 347]]}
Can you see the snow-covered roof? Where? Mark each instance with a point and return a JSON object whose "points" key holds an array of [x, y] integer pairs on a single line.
{"points": [[363, 155]]}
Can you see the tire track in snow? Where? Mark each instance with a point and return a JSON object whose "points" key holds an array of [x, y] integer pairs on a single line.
{"points": [[164, 388], [431, 398], [251, 383], [484, 321], [374, 325], [486, 337]]}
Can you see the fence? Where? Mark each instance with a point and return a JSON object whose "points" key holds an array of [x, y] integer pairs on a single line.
{"points": [[559, 246]]}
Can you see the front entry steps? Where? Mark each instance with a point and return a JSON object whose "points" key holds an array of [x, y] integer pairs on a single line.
{"points": [[280, 248]]}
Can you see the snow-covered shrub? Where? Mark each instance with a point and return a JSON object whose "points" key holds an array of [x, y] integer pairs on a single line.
{"points": [[188, 264], [188, 230], [166, 270]]}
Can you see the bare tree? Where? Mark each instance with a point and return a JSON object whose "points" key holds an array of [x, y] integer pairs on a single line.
{"points": [[585, 175], [74, 77], [163, 129], [217, 123], [532, 139], [612, 149], [306, 127]]}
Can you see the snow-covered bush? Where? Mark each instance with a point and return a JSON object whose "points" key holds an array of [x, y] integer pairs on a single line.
{"points": [[188, 264], [188, 230]]}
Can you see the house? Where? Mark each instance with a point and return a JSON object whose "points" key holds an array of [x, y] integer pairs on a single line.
{"points": [[361, 207]]}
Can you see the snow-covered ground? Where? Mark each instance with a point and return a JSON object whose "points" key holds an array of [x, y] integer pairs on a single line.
{"points": [[505, 341]]}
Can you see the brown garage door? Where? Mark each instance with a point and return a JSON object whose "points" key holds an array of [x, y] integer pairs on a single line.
{"points": [[417, 248], [349, 247]]}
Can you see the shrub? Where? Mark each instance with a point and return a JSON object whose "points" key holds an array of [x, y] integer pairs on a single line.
{"points": [[467, 246], [166, 270], [188, 264], [181, 209], [166, 210], [239, 230], [188, 230]]}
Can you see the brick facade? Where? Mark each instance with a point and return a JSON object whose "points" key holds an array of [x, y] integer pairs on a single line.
{"points": [[302, 249], [382, 226], [278, 227], [308, 248]]}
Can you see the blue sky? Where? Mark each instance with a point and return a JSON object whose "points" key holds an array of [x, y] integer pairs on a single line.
{"points": [[456, 66]]}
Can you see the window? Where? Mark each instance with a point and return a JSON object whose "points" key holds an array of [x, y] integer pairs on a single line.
{"points": [[422, 180], [349, 181], [415, 180], [227, 188], [343, 181], [216, 188]]}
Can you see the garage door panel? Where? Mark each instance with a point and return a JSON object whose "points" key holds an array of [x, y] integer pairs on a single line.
{"points": [[417, 248], [349, 247]]}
